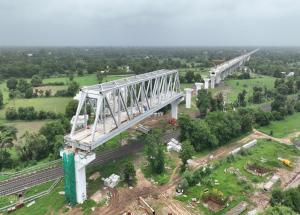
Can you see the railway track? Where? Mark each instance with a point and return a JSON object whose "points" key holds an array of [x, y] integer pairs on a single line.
{"points": [[24, 182]]}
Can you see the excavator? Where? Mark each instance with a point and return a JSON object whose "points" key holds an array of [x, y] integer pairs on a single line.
{"points": [[285, 162]]}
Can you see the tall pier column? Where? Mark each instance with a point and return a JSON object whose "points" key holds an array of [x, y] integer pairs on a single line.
{"points": [[74, 164], [198, 87], [188, 97], [206, 83], [212, 81]]}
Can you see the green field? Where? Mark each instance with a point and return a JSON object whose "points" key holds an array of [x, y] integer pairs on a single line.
{"points": [[232, 88], [284, 127], [230, 185], [83, 80], [55, 104], [23, 126]]}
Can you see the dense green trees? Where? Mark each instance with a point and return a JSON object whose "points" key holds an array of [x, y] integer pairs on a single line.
{"points": [[203, 101], [218, 128], [1, 100], [11, 83], [29, 113], [206, 102], [154, 151], [289, 198], [36, 80], [7, 136], [33, 146], [279, 210]]}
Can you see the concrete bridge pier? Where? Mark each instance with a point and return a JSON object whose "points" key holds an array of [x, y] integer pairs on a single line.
{"points": [[75, 175], [212, 81], [206, 83], [188, 97], [198, 87]]}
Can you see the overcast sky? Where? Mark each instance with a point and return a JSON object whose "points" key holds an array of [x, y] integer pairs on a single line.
{"points": [[149, 22]]}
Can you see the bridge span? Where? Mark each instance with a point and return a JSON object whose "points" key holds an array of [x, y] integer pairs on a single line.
{"points": [[220, 72], [105, 110]]}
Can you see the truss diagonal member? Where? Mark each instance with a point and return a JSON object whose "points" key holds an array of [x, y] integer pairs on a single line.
{"points": [[99, 102], [80, 104], [110, 110]]}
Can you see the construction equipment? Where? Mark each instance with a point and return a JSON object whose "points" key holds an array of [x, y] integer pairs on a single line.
{"points": [[285, 162]]}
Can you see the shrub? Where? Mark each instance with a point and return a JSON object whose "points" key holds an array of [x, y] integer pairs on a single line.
{"points": [[11, 113]]}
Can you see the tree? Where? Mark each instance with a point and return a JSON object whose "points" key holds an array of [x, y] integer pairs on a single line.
{"points": [[186, 152], [257, 95], [72, 88], [297, 106], [198, 77], [1, 99], [279, 210], [8, 134], [220, 102], [241, 99], [279, 102], [28, 93], [277, 197], [201, 136], [33, 146], [36, 80], [52, 129], [262, 118], [189, 76], [58, 144], [185, 124], [71, 75], [291, 86], [12, 84], [203, 102], [298, 84], [129, 173], [100, 76], [154, 151], [23, 85], [71, 109]]}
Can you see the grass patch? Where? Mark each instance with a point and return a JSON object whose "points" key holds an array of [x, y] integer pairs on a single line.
{"points": [[284, 127], [233, 186], [105, 170], [49, 204], [164, 177], [232, 88], [23, 126], [7, 200]]}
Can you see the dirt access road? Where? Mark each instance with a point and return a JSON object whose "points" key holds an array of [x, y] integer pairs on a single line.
{"points": [[123, 198]]}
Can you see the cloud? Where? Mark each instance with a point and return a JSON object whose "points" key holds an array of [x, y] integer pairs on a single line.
{"points": [[149, 22]]}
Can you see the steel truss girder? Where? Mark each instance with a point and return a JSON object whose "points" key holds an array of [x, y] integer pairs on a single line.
{"points": [[120, 104]]}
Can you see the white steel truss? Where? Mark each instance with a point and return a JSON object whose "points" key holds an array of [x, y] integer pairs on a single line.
{"points": [[107, 109]]}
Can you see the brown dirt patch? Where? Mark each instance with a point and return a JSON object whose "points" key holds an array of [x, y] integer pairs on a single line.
{"points": [[257, 169]]}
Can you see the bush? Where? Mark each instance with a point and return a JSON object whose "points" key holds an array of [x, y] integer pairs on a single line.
{"points": [[277, 115], [297, 106], [11, 113], [27, 113]]}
